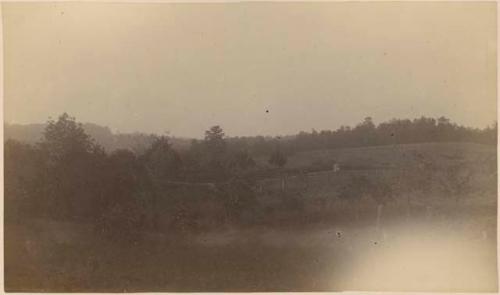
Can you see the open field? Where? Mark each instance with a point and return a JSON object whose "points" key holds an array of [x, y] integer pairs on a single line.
{"points": [[426, 256]]}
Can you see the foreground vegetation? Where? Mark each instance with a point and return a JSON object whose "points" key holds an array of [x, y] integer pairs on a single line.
{"points": [[79, 218]]}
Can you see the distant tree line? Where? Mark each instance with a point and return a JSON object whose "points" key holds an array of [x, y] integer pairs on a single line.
{"points": [[367, 133]]}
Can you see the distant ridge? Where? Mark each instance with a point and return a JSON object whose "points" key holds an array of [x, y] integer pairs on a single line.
{"points": [[137, 141]]}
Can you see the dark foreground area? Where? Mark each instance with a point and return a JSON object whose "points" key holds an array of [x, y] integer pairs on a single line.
{"points": [[419, 254]]}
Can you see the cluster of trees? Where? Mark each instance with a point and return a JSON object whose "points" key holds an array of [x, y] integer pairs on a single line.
{"points": [[68, 176]]}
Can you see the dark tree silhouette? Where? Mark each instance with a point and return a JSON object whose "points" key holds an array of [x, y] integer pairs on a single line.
{"points": [[277, 158], [162, 164], [241, 161], [162, 161], [71, 163], [214, 153], [24, 179], [214, 140], [66, 139]]}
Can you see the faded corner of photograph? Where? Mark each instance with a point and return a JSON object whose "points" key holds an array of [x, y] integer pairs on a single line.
{"points": [[250, 146]]}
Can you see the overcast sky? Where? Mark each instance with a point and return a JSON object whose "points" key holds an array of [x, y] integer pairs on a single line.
{"points": [[184, 67]]}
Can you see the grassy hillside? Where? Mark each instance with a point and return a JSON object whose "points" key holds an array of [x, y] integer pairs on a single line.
{"points": [[395, 156], [417, 176]]}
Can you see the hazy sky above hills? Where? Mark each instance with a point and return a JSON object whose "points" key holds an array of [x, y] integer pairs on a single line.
{"points": [[185, 67]]}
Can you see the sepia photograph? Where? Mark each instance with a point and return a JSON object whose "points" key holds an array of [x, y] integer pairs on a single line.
{"points": [[250, 146]]}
